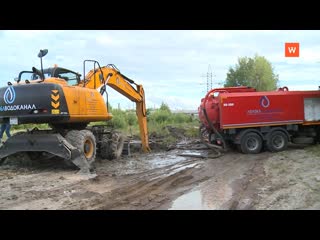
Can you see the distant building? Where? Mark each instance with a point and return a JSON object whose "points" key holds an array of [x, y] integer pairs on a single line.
{"points": [[190, 112]]}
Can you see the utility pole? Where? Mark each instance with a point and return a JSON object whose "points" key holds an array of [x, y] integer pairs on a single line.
{"points": [[208, 76]]}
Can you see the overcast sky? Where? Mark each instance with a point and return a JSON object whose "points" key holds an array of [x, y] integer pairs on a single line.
{"points": [[171, 65]]}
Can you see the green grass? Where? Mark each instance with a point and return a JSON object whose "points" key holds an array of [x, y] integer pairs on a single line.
{"points": [[127, 122], [158, 121]]}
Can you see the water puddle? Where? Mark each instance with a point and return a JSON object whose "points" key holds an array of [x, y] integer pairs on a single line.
{"points": [[210, 196], [189, 201], [148, 162], [174, 170], [164, 160]]}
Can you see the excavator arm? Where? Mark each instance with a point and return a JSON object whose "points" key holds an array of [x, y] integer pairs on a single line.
{"points": [[111, 76]]}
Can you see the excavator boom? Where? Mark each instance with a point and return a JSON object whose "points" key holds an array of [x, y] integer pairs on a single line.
{"points": [[111, 76]]}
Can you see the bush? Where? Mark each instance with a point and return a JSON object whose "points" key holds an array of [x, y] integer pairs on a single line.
{"points": [[118, 120], [131, 119], [161, 116], [148, 112], [127, 121], [181, 118], [192, 131], [165, 107]]}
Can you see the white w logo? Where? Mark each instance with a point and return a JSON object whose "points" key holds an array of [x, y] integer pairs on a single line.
{"points": [[292, 49]]}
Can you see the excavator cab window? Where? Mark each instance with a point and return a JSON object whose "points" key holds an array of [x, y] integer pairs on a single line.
{"points": [[35, 77], [27, 75], [70, 77]]}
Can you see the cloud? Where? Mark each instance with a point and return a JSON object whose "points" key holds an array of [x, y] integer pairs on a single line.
{"points": [[171, 65], [106, 40], [304, 87]]}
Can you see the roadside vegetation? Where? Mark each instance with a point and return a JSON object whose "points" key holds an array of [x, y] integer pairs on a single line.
{"points": [[160, 122], [256, 72]]}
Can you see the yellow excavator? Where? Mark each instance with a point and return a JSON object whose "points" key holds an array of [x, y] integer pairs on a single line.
{"points": [[66, 102]]}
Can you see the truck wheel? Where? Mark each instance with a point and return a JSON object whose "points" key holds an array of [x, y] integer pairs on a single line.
{"points": [[277, 141], [251, 143], [112, 149], [85, 141]]}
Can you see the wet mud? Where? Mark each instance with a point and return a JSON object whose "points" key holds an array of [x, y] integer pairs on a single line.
{"points": [[167, 180]]}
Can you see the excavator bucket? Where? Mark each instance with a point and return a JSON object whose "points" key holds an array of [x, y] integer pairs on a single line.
{"points": [[52, 143]]}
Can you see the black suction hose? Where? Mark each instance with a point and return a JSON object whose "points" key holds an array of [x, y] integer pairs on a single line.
{"points": [[215, 131]]}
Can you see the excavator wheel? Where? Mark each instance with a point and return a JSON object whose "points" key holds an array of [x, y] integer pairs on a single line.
{"points": [[112, 149], [85, 141]]}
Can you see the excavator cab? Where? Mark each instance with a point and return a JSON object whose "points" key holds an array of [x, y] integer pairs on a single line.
{"points": [[72, 78]]}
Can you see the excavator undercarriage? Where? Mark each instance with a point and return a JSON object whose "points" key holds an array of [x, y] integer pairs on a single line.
{"points": [[80, 147]]}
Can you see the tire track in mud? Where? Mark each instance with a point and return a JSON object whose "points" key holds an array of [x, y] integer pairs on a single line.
{"points": [[246, 190], [256, 184], [32, 191], [245, 184], [233, 183], [33, 188], [156, 189], [148, 190]]}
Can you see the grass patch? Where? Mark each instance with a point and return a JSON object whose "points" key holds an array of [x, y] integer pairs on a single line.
{"points": [[158, 121]]}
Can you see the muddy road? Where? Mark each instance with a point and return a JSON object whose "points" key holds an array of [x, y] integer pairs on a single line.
{"points": [[167, 180]]}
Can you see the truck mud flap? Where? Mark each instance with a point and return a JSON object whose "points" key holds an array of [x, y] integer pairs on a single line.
{"points": [[51, 143]]}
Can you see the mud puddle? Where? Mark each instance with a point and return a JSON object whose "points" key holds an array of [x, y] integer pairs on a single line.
{"points": [[140, 163], [142, 181], [209, 195], [190, 201]]}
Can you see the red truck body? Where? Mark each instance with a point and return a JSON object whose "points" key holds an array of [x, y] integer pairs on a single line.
{"points": [[211, 103], [243, 108], [269, 108]]}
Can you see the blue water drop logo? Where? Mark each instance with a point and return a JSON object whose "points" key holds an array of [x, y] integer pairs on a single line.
{"points": [[9, 95], [264, 101]]}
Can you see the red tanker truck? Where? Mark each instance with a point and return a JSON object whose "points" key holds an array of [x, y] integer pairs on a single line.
{"points": [[251, 120]]}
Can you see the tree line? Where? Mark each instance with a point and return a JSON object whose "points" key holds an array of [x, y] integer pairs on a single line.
{"points": [[256, 72]]}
